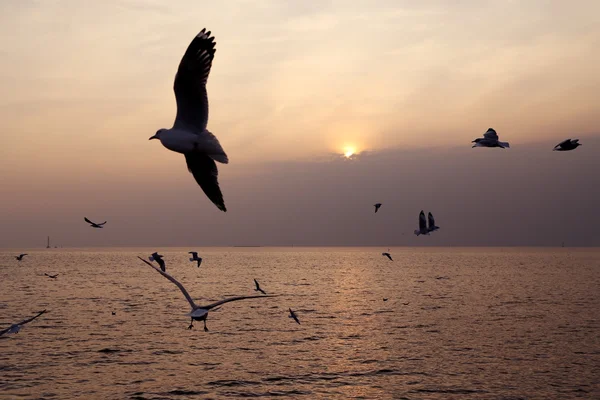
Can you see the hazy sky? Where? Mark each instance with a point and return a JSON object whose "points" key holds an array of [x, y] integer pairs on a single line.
{"points": [[410, 83]]}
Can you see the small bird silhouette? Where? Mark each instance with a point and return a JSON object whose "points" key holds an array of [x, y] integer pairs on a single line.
{"points": [[158, 258], [51, 276], [258, 289], [20, 256], [195, 257], [294, 316], [377, 205], [388, 255], [93, 224], [566, 145]]}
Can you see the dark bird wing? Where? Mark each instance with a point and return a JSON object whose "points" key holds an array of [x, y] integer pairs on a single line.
{"points": [[101, 223], [190, 83], [88, 221], [491, 134], [22, 255], [389, 256], [422, 222], [430, 220], [205, 172], [193, 253], [175, 281], [218, 303]]}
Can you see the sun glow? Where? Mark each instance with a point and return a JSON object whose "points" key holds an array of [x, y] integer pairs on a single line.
{"points": [[349, 151]]}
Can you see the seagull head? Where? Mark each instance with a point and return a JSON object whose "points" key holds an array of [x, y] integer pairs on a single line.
{"points": [[157, 134]]}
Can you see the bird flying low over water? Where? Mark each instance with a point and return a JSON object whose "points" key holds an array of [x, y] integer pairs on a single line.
{"points": [[422, 225], [432, 226], [93, 224], [20, 256], [258, 289], [51, 276], [195, 258], [566, 145], [200, 313], [15, 328], [294, 316], [490, 139], [158, 258], [189, 135], [377, 205], [388, 255]]}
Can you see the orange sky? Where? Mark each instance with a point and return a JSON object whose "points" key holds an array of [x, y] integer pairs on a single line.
{"points": [[86, 83]]}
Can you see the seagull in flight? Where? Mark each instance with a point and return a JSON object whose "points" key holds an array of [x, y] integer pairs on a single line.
{"points": [[566, 145], [258, 289], [200, 313], [377, 205], [490, 139], [422, 225], [189, 135], [195, 257], [432, 226], [388, 255], [93, 224], [51, 276], [15, 328], [20, 256], [294, 316], [158, 258]]}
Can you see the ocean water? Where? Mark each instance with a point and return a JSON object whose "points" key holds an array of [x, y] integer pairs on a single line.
{"points": [[459, 323]]}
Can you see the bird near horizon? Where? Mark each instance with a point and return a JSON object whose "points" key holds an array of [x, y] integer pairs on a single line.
{"points": [[20, 256], [189, 135], [159, 259], [388, 255], [422, 225], [432, 226], [51, 276], [93, 224], [195, 258], [377, 206], [294, 316], [490, 139], [15, 328], [257, 288], [200, 313], [567, 145]]}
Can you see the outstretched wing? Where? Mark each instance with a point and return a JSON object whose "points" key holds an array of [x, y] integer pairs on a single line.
{"points": [[193, 253], [218, 303], [205, 172], [190, 83], [422, 222], [2, 332], [87, 220], [491, 134], [430, 220], [175, 281], [101, 223]]}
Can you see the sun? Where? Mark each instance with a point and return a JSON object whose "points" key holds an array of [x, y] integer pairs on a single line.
{"points": [[349, 151]]}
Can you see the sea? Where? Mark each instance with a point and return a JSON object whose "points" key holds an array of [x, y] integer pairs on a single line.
{"points": [[434, 323]]}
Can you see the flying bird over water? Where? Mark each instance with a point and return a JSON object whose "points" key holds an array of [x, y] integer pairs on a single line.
{"points": [[388, 255], [51, 276], [432, 226], [158, 258], [93, 224], [566, 145], [189, 135], [200, 313], [195, 257], [294, 316], [490, 139], [258, 289], [20, 256], [15, 328], [377, 205], [422, 225]]}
